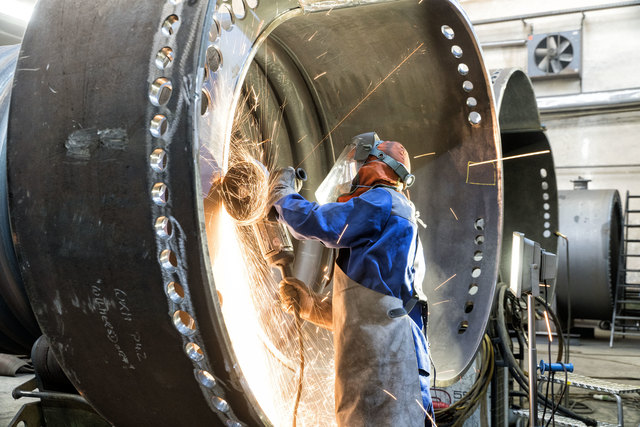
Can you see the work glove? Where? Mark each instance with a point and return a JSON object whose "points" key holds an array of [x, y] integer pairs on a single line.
{"points": [[282, 182], [294, 295]]}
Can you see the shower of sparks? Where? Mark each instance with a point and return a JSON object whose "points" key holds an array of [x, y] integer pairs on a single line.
{"points": [[454, 214], [397, 67], [392, 396], [341, 234], [424, 155], [443, 283], [447, 300], [426, 413], [264, 339], [319, 75], [312, 36], [546, 320], [537, 153]]}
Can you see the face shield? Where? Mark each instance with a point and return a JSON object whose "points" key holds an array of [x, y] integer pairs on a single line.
{"points": [[340, 177], [346, 167]]}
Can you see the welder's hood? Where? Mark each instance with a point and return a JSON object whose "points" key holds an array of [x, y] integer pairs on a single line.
{"points": [[364, 148]]}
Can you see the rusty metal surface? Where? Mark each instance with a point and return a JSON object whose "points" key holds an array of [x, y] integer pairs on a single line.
{"points": [[85, 197]]}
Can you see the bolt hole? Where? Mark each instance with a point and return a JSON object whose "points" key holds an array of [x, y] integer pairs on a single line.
{"points": [[205, 378], [170, 25], [238, 9], [163, 227], [160, 91], [175, 291], [225, 18], [468, 307], [475, 118], [475, 272], [158, 126], [164, 57], [214, 31], [546, 206], [214, 59], [547, 224], [462, 328], [194, 352], [463, 69], [471, 102], [456, 51], [547, 215], [448, 32], [473, 289], [467, 86], [168, 260], [220, 404], [158, 160], [479, 224], [545, 185], [477, 256], [479, 239], [546, 233], [205, 102], [184, 323], [160, 194], [545, 196], [543, 173]]}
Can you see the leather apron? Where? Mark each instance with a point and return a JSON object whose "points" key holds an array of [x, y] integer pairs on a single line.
{"points": [[377, 380]]}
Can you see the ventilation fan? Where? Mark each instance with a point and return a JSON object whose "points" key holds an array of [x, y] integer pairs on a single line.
{"points": [[554, 55]]}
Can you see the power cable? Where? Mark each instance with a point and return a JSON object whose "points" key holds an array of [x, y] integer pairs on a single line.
{"points": [[516, 371]]}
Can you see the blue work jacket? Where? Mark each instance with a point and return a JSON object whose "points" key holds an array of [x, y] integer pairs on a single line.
{"points": [[377, 250]]}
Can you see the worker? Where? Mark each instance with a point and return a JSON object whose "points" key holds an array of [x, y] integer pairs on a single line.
{"points": [[381, 352]]}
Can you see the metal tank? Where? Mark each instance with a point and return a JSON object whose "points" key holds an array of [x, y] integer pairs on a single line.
{"points": [[530, 189], [126, 115], [18, 327], [592, 221]]}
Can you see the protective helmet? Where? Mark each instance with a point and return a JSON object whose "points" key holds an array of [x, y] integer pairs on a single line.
{"points": [[365, 162]]}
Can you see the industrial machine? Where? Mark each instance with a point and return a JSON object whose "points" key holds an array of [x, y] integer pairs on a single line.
{"points": [[136, 273], [131, 124]]}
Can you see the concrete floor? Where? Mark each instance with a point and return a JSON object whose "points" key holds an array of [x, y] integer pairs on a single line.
{"points": [[8, 405], [591, 357]]}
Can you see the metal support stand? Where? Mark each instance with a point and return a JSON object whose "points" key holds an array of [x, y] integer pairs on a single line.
{"points": [[533, 357]]}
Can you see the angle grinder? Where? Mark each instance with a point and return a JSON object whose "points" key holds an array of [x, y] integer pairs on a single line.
{"points": [[244, 193]]}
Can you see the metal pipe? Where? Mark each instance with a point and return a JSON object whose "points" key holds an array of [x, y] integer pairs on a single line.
{"points": [[556, 13], [50, 395], [504, 43], [533, 389], [631, 165], [591, 102]]}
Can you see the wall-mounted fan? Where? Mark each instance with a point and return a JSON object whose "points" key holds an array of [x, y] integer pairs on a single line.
{"points": [[554, 55]]}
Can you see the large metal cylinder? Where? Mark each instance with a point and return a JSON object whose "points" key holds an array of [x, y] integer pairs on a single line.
{"points": [[124, 246], [530, 191], [18, 327], [592, 221]]}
